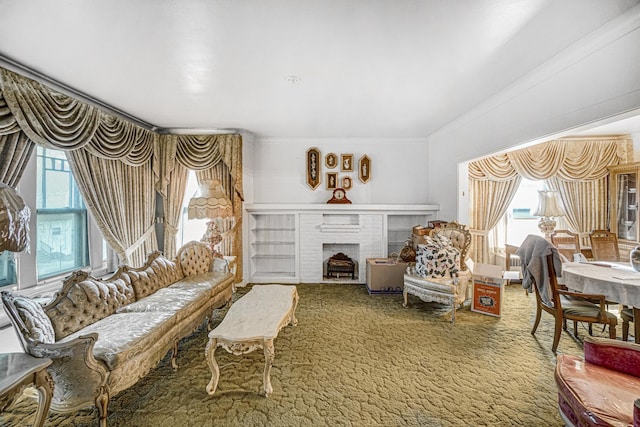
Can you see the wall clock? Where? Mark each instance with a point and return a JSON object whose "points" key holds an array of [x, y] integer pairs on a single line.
{"points": [[339, 196]]}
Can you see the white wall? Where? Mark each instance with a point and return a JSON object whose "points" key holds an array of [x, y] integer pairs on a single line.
{"points": [[598, 78], [398, 171]]}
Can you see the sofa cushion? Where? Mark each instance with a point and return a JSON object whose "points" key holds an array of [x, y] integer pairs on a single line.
{"points": [[156, 274], [181, 302], [606, 395], [122, 337], [35, 319], [83, 303]]}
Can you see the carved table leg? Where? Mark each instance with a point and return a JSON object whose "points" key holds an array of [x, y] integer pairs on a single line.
{"points": [[294, 321], [44, 384], [404, 296], [269, 355], [213, 365]]}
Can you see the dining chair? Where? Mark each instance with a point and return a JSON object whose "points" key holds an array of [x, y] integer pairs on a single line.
{"points": [[565, 305], [567, 242], [604, 245]]}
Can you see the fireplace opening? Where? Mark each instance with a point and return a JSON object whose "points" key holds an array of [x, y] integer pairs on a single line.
{"points": [[341, 261], [341, 265]]}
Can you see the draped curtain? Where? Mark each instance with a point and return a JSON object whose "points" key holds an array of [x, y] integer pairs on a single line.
{"points": [[222, 161], [577, 167], [15, 147], [118, 166]]}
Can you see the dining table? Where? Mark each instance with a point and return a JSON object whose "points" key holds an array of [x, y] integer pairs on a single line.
{"points": [[617, 281]]}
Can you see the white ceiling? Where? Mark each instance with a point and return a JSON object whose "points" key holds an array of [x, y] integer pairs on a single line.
{"points": [[364, 68]]}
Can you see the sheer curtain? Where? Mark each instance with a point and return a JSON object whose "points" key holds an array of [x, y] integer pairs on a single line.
{"points": [[577, 167]]}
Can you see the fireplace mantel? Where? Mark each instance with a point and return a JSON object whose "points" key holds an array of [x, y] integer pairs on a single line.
{"points": [[289, 243]]}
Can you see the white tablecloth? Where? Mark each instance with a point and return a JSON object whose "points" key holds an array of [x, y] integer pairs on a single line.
{"points": [[618, 282]]}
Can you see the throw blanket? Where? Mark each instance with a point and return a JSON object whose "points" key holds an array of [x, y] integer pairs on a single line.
{"points": [[533, 252]]}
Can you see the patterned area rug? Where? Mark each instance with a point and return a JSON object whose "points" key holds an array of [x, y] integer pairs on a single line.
{"points": [[356, 360]]}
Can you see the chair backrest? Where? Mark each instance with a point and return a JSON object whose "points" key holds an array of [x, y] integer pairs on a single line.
{"points": [[604, 245], [567, 242], [551, 304], [460, 238]]}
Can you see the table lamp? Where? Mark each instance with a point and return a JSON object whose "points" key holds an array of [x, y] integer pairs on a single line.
{"points": [[549, 206], [14, 221], [212, 203]]}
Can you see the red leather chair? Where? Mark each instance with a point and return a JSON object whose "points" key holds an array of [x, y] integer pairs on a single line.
{"points": [[602, 388]]}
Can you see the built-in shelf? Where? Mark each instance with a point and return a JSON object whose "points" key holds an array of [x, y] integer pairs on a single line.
{"points": [[285, 242]]}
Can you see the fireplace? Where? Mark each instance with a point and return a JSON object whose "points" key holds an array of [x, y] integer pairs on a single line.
{"points": [[340, 261], [340, 265]]}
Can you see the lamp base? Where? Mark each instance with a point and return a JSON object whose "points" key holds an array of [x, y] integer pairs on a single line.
{"points": [[547, 225], [212, 237]]}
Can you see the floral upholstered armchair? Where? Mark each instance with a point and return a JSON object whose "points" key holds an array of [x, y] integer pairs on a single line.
{"points": [[441, 274]]}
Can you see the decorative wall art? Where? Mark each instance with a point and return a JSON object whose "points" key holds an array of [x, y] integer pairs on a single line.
{"points": [[364, 169], [331, 160], [347, 183], [313, 167], [346, 162], [332, 180]]}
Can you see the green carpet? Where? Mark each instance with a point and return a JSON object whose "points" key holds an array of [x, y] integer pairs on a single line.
{"points": [[356, 360]]}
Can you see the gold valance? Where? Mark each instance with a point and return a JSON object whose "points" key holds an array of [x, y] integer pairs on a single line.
{"points": [[571, 159]]}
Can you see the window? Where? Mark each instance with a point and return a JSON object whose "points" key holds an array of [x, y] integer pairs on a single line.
{"points": [[7, 269], [61, 217], [190, 229], [519, 220]]}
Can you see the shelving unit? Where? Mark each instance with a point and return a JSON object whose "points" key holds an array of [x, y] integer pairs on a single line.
{"points": [[623, 191], [273, 246], [399, 229]]}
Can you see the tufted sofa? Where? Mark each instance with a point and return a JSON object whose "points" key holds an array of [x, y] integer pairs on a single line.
{"points": [[434, 283], [105, 334]]}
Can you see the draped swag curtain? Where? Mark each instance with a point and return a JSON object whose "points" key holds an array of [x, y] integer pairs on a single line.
{"points": [[576, 167], [119, 166]]}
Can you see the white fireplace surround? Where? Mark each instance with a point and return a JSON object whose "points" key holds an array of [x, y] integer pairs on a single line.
{"points": [[366, 231]]}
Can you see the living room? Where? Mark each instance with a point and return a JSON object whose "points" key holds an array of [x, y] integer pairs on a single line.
{"points": [[521, 76]]}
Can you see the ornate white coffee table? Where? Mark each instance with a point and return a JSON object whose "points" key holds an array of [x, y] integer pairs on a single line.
{"points": [[251, 323]]}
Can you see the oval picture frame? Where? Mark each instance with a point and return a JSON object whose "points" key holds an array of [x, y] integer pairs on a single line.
{"points": [[347, 182], [331, 160]]}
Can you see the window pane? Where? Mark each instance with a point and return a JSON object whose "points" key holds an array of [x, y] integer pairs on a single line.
{"points": [[7, 269], [61, 217]]}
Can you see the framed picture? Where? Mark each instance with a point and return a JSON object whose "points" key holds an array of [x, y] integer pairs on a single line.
{"points": [[347, 183], [313, 167], [332, 180], [331, 160], [364, 169], [346, 162]]}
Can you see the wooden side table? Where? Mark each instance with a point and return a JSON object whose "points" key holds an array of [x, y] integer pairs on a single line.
{"points": [[20, 370]]}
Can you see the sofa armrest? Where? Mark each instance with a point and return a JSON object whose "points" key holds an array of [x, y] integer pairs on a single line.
{"points": [[79, 378], [613, 354], [220, 265]]}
